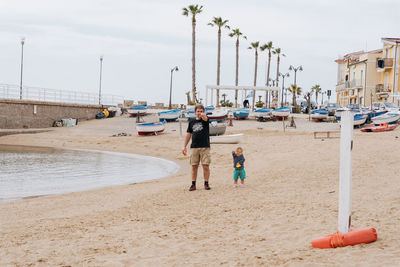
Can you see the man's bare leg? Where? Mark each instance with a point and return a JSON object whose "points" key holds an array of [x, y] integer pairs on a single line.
{"points": [[194, 172], [206, 172]]}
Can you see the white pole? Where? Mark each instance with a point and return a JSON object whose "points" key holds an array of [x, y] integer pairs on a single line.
{"points": [[346, 145], [212, 97]]}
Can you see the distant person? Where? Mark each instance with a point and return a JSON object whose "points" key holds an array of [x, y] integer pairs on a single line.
{"points": [[238, 164], [246, 103], [199, 130]]}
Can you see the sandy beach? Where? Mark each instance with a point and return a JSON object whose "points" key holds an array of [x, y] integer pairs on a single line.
{"points": [[291, 197]]}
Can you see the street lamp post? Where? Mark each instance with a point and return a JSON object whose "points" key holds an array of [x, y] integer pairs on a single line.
{"points": [[300, 68], [101, 70], [322, 99], [283, 83], [170, 87], [22, 66]]}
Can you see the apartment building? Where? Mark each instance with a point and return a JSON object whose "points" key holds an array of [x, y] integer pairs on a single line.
{"points": [[366, 77]]}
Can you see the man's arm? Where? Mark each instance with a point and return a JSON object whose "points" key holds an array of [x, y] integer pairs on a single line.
{"points": [[187, 139]]}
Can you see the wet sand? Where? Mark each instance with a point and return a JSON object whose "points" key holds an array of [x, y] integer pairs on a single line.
{"points": [[290, 198]]}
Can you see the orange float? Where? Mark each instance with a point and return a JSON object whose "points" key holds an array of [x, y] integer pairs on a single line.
{"points": [[348, 239]]}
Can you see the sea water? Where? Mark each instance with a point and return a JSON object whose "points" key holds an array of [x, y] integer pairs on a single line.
{"points": [[32, 171]]}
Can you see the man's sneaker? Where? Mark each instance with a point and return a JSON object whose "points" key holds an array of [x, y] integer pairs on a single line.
{"points": [[207, 187], [192, 187]]}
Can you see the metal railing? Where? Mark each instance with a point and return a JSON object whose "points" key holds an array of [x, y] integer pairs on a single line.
{"points": [[383, 88], [9, 91]]}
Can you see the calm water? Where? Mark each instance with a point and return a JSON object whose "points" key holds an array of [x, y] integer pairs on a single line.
{"points": [[31, 171]]}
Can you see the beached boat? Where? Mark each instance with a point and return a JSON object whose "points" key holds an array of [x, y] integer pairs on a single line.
{"points": [[217, 114], [262, 113], [319, 114], [170, 115], [281, 112], [241, 113], [226, 139], [217, 128], [134, 110], [150, 128], [383, 127], [359, 119], [389, 117]]}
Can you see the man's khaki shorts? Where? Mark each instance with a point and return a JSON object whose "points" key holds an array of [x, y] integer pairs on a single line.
{"points": [[198, 155]]}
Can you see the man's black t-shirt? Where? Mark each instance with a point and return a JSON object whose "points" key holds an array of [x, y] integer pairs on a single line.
{"points": [[200, 131]]}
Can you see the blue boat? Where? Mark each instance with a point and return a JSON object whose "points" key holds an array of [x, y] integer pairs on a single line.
{"points": [[241, 113], [319, 114], [359, 119], [281, 112], [134, 110], [262, 112], [170, 115]]}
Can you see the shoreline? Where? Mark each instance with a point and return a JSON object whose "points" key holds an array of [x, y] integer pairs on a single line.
{"points": [[287, 202]]}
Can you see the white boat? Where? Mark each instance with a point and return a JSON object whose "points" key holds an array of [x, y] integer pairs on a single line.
{"points": [[170, 115], [390, 118], [217, 128], [217, 114], [226, 139], [140, 109], [281, 112], [359, 119], [150, 128], [262, 112], [319, 114]]}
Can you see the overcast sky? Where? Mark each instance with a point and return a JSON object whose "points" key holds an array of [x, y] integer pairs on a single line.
{"points": [[142, 40]]}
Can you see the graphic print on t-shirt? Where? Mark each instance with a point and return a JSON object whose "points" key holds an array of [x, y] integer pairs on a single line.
{"points": [[197, 127]]}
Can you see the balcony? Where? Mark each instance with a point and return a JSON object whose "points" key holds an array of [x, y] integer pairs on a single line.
{"points": [[355, 83], [384, 63], [382, 89]]}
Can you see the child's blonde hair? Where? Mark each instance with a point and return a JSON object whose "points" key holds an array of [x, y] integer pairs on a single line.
{"points": [[239, 148]]}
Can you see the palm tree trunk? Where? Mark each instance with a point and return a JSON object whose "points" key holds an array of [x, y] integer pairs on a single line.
{"points": [[255, 78], [316, 97], [194, 59], [218, 63], [277, 76], [269, 65], [237, 71], [294, 97]]}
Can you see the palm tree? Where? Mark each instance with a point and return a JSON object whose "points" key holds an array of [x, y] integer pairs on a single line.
{"points": [[294, 90], [278, 52], [269, 47], [193, 10], [220, 23], [317, 88], [307, 96], [237, 33], [255, 46]]}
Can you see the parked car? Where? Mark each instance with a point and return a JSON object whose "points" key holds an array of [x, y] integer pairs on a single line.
{"points": [[331, 107], [304, 106]]}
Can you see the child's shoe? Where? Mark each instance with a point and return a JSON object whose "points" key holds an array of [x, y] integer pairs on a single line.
{"points": [[235, 186]]}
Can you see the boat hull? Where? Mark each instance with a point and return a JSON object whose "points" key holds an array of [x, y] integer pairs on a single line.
{"points": [[226, 139], [150, 128], [389, 118]]}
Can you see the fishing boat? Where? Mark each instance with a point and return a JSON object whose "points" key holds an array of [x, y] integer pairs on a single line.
{"points": [[383, 127], [389, 117], [226, 139], [280, 113], [217, 128], [150, 128], [170, 115], [217, 114], [241, 113], [359, 119], [262, 113], [319, 114], [135, 110]]}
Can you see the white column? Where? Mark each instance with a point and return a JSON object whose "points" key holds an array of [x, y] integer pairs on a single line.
{"points": [[206, 104], [346, 145], [212, 97], [396, 70]]}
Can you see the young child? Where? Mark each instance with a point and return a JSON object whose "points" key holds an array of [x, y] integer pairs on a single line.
{"points": [[238, 164]]}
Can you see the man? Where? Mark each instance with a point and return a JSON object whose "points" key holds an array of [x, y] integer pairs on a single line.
{"points": [[198, 129]]}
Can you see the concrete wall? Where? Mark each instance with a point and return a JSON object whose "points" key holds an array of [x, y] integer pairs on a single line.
{"points": [[17, 114]]}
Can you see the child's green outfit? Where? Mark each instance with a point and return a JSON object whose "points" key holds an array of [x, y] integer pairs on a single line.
{"points": [[238, 164]]}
